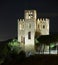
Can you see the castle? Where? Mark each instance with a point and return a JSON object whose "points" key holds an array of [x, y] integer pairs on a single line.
{"points": [[30, 28]]}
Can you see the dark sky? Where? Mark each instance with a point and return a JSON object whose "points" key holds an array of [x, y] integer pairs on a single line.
{"points": [[11, 10]]}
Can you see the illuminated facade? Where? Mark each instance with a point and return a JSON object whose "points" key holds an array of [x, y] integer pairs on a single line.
{"points": [[27, 28]]}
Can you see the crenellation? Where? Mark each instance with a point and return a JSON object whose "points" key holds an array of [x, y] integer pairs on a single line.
{"points": [[18, 20], [38, 21], [47, 19], [22, 20], [41, 20]]}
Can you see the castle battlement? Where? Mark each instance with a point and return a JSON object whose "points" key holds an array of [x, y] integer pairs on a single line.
{"points": [[21, 20], [42, 19]]}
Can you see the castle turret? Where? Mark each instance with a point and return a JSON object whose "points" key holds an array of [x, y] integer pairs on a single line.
{"points": [[42, 26], [30, 14]]}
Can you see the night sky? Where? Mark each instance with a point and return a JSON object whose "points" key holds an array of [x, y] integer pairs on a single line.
{"points": [[11, 10]]}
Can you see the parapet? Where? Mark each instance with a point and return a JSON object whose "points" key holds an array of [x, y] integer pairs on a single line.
{"points": [[21, 20], [42, 19]]}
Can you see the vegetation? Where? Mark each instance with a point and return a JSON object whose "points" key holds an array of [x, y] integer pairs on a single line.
{"points": [[11, 50], [36, 41], [14, 46], [52, 45], [3, 53]]}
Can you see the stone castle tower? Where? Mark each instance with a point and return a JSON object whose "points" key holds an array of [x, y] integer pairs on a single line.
{"points": [[27, 28]]}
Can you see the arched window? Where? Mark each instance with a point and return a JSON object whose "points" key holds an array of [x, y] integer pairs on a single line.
{"points": [[21, 27], [43, 26], [29, 35]]}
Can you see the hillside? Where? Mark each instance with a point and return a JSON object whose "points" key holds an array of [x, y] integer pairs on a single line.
{"points": [[36, 60]]}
